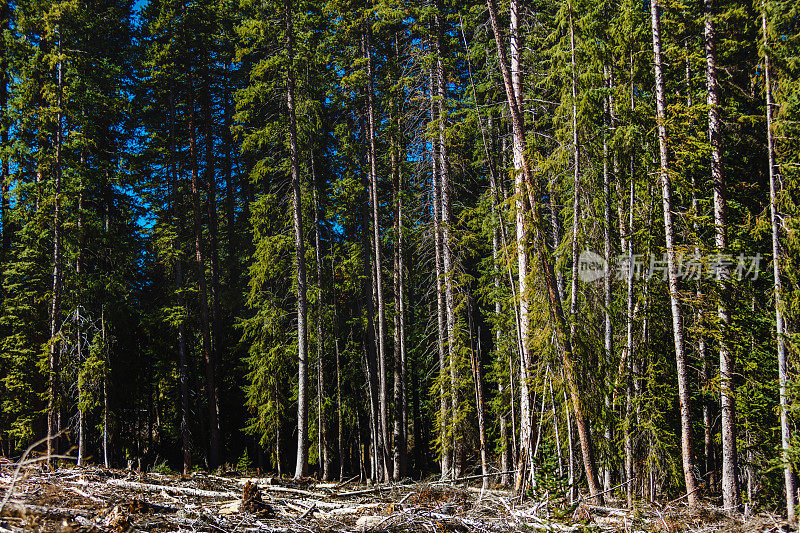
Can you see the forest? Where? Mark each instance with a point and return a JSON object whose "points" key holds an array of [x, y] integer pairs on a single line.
{"points": [[553, 246]]}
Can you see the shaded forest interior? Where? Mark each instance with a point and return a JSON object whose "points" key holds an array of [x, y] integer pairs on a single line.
{"points": [[554, 242]]}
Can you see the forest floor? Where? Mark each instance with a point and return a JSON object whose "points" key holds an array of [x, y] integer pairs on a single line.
{"points": [[106, 500]]}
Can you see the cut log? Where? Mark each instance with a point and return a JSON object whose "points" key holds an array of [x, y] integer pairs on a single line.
{"points": [[21, 509], [146, 487]]}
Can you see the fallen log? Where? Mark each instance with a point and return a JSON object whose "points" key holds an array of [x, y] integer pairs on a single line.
{"points": [[186, 491], [21, 509]]}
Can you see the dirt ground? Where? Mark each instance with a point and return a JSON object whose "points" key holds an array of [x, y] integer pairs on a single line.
{"points": [[106, 500]]}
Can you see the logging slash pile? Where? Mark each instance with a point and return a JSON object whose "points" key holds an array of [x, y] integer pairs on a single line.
{"points": [[107, 500]]}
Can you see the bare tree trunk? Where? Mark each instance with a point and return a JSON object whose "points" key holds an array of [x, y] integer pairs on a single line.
{"points": [[52, 388], [400, 407], [608, 344], [632, 378], [783, 372], [525, 459], [373, 174], [322, 433], [573, 489], [370, 361], [556, 430], [576, 177], [301, 465], [278, 444], [448, 261], [106, 462], [79, 346], [702, 352], [505, 452], [444, 403], [339, 432], [692, 488], [730, 484], [81, 414]]}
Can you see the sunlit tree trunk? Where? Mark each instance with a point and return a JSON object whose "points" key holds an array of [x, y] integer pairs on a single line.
{"points": [[730, 485], [783, 372], [52, 382], [677, 319], [301, 465], [518, 152], [448, 260], [444, 403]]}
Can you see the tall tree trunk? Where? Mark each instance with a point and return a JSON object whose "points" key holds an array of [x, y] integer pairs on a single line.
{"points": [[518, 150], [444, 400], [211, 399], [692, 487], [106, 461], [730, 485], [448, 261], [505, 450], [398, 434], [370, 362], [576, 180], [301, 466], [322, 434], [783, 371], [79, 346], [339, 428], [702, 351], [632, 377], [52, 389], [373, 175], [608, 343], [81, 412]]}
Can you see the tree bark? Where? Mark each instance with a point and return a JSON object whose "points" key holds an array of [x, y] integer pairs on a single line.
{"points": [[53, 361], [783, 371], [608, 341], [322, 434], [370, 350], [444, 403], [400, 406], [692, 488], [373, 175], [518, 151], [731, 499], [448, 261], [301, 465]]}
